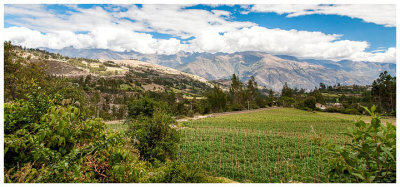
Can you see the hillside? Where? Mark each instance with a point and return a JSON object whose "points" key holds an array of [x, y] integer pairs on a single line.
{"points": [[269, 70], [108, 86], [147, 75]]}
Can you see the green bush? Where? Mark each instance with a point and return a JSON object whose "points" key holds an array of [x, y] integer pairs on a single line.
{"points": [[333, 109], [154, 136], [269, 101], [370, 157], [46, 138], [236, 107], [179, 172], [351, 111], [59, 146], [286, 101], [145, 106], [310, 102]]}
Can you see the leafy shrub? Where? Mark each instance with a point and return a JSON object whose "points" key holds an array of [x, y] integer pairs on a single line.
{"points": [[21, 114], [310, 102], [370, 157], [333, 109], [269, 101], [60, 146], [261, 102], [46, 138], [236, 107], [286, 101], [179, 172], [351, 111], [154, 137], [144, 107]]}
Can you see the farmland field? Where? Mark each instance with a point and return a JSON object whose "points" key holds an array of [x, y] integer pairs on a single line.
{"points": [[277, 145]]}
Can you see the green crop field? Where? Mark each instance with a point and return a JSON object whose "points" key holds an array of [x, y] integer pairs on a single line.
{"points": [[276, 145]]}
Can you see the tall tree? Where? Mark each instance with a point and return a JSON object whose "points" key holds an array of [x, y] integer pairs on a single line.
{"points": [[384, 91], [217, 99], [287, 91], [236, 90], [252, 89]]}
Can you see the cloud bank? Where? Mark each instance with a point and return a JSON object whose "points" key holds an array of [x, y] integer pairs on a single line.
{"points": [[379, 14], [130, 28]]}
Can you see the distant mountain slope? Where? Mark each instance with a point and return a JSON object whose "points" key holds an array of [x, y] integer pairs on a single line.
{"points": [[362, 68], [146, 75], [269, 70]]}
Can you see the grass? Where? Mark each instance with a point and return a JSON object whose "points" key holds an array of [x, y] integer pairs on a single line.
{"points": [[279, 145], [384, 119]]}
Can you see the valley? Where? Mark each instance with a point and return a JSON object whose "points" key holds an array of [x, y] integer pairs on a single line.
{"points": [[216, 131]]}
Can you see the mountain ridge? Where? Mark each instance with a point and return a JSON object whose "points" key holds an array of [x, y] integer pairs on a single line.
{"points": [[271, 71]]}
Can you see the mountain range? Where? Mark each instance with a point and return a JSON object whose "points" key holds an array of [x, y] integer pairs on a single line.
{"points": [[271, 71]]}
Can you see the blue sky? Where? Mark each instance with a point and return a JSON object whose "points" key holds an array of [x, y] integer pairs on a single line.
{"points": [[334, 32], [378, 36]]}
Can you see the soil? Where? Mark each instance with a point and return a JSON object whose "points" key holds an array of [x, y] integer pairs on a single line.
{"points": [[224, 114]]}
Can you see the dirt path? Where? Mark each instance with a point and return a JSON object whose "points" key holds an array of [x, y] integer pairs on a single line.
{"points": [[224, 114], [203, 116]]}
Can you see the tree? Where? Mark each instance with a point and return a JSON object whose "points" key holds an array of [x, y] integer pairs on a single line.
{"points": [[270, 99], [384, 92], [217, 99], [236, 90], [310, 102], [286, 91], [144, 106], [252, 89], [318, 96], [322, 86], [155, 138]]}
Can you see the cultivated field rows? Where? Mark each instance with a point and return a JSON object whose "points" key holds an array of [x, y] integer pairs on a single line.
{"points": [[280, 145]]}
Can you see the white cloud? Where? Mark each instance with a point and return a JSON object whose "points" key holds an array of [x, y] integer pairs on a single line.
{"points": [[302, 44], [212, 32], [102, 38], [184, 23], [382, 14], [386, 56]]}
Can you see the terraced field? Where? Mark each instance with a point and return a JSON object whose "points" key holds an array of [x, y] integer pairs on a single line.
{"points": [[278, 145]]}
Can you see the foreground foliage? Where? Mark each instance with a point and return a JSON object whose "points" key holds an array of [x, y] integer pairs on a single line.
{"points": [[371, 155], [46, 142]]}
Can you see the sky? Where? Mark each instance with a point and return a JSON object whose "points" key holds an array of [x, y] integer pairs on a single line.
{"points": [[364, 32]]}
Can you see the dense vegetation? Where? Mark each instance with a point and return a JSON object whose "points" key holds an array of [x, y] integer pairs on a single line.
{"points": [[51, 135], [340, 99], [371, 157], [290, 145], [54, 129]]}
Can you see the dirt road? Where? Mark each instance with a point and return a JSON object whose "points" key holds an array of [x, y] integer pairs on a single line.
{"points": [[203, 116], [224, 114]]}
